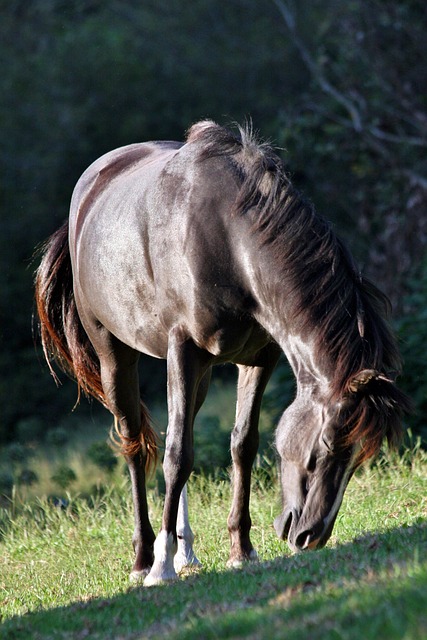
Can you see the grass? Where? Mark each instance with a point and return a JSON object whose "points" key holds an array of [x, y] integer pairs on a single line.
{"points": [[64, 573]]}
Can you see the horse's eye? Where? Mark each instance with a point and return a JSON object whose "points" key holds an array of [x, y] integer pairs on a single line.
{"points": [[328, 443], [311, 464]]}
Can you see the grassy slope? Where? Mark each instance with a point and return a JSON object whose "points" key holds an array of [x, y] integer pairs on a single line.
{"points": [[68, 570]]}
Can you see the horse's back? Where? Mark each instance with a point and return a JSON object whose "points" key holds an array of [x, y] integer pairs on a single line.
{"points": [[104, 175], [153, 248]]}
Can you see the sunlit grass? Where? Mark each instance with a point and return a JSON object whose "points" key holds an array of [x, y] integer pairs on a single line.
{"points": [[64, 563], [53, 556]]}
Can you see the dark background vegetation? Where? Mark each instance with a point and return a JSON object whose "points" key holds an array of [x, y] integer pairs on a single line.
{"points": [[340, 86]]}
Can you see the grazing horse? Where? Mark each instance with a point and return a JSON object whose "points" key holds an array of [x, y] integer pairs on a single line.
{"points": [[203, 253]]}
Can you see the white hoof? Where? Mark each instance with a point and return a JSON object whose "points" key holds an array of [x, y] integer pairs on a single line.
{"points": [[157, 578], [185, 557], [162, 571], [182, 562]]}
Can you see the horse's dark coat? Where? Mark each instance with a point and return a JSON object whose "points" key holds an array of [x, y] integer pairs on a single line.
{"points": [[203, 253]]}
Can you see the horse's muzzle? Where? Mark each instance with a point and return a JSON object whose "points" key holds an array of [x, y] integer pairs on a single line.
{"points": [[298, 536], [283, 523], [306, 539]]}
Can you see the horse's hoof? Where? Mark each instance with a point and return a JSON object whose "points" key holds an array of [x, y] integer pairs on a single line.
{"points": [[162, 571], [138, 576], [238, 563], [157, 579], [184, 563]]}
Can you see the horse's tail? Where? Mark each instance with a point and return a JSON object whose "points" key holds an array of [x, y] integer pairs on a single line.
{"points": [[65, 341], [62, 335]]}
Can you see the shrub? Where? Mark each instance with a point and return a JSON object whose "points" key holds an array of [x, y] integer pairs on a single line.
{"points": [[212, 445], [6, 483], [57, 437], [17, 452], [28, 477], [64, 476], [102, 455], [30, 430], [412, 330]]}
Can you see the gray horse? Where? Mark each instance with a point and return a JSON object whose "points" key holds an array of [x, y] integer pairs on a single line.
{"points": [[204, 253]]}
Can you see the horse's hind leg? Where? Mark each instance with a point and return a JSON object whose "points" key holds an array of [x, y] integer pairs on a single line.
{"points": [[185, 556], [244, 446], [119, 377], [119, 374]]}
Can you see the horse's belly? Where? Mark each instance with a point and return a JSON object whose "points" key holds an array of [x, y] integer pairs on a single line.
{"points": [[142, 317], [131, 316]]}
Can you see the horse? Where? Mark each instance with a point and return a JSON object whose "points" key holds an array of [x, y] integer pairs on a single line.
{"points": [[203, 252]]}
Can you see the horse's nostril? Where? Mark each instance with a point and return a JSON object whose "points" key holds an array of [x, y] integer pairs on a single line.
{"points": [[305, 540], [282, 524]]}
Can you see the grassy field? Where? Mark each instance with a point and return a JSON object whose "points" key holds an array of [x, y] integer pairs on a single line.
{"points": [[64, 572]]}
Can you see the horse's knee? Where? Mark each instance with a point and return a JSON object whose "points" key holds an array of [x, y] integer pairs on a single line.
{"points": [[178, 464], [244, 446]]}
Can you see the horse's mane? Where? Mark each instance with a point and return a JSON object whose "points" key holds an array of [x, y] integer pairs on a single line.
{"points": [[345, 312]]}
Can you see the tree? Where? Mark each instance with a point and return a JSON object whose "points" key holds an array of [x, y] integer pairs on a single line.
{"points": [[363, 116], [82, 78]]}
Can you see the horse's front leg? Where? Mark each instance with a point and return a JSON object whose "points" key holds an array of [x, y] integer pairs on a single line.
{"points": [[244, 446], [186, 367]]}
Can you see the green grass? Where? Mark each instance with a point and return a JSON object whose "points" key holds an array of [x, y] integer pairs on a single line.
{"points": [[64, 574]]}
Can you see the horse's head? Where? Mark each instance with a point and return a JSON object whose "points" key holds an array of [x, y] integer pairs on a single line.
{"points": [[320, 445], [315, 470]]}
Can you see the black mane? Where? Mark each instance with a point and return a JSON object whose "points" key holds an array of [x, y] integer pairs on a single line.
{"points": [[345, 312]]}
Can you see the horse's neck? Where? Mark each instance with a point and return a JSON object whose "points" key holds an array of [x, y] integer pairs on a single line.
{"points": [[312, 368], [276, 313]]}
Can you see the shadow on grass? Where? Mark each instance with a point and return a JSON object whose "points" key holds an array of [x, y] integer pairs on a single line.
{"points": [[373, 587]]}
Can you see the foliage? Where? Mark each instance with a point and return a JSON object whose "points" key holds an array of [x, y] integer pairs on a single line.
{"points": [[18, 452], [412, 328], [212, 445], [57, 437], [65, 571], [28, 477], [6, 483], [64, 476], [339, 85], [101, 454], [358, 134], [29, 430]]}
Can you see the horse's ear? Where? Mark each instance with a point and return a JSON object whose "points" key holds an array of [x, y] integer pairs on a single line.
{"points": [[361, 379]]}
